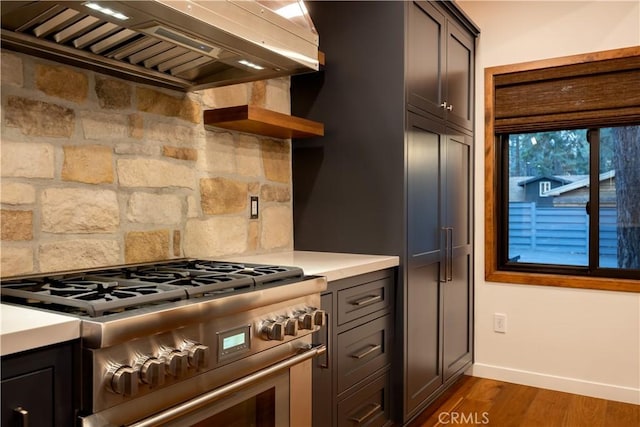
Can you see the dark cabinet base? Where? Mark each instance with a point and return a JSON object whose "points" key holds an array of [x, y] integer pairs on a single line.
{"points": [[40, 385], [352, 382]]}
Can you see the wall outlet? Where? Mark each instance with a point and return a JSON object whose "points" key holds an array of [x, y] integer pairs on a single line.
{"points": [[254, 207], [500, 323]]}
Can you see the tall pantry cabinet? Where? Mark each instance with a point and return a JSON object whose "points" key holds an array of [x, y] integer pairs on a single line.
{"points": [[394, 172]]}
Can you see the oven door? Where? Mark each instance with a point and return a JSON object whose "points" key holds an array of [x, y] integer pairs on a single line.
{"points": [[279, 395]]}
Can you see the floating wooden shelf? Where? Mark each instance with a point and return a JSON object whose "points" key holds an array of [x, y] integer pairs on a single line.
{"points": [[251, 119]]}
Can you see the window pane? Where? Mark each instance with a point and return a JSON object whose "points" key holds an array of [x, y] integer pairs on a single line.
{"points": [[548, 192], [620, 197]]}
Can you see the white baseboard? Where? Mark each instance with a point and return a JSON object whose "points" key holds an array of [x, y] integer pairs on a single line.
{"points": [[552, 382]]}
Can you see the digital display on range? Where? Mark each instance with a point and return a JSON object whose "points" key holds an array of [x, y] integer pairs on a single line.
{"points": [[233, 342]]}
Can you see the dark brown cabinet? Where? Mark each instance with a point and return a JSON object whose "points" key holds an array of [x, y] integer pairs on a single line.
{"points": [[439, 262], [439, 65], [352, 382], [38, 387], [394, 173]]}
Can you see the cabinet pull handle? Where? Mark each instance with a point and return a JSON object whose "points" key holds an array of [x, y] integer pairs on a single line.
{"points": [[23, 416], [370, 299], [327, 355], [372, 348], [450, 275], [443, 105], [375, 408], [450, 107]]}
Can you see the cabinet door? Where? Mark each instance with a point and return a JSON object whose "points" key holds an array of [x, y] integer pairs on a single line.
{"points": [[41, 381], [423, 340], [459, 86], [425, 47], [457, 286], [32, 393]]}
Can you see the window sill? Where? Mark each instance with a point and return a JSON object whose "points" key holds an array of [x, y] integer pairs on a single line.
{"points": [[563, 281]]}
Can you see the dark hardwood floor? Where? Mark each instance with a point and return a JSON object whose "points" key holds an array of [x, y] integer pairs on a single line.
{"points": [[474, 401]]}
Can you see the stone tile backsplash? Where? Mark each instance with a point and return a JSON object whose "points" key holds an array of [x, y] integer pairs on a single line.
{"points": [[100, 171]]}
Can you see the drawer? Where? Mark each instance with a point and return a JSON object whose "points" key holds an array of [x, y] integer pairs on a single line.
{"points": [[369, 406], [364, 299], [363, 350]]}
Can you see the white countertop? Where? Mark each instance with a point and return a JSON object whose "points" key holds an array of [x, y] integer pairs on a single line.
{"points": [[24, 329], [333, 266]]}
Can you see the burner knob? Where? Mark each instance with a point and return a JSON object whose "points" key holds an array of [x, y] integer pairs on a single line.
{"points": [[272, 330], [305, 321], [176, 363], [124, 381], [198, 355], [318, 317], [152, 372], [291, 326]]}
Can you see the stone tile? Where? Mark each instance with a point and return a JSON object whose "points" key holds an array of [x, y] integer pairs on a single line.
{"points": [[12, 71], [62, 82], [138, 148], [156, 102], [38, 118], [254, 187], [16, 225], [113, 94], [77, 254], [278, 96], [136, 126], [27, 160], [226, 96], [170, 134], [180, 153], [16, 260], [259, 93], [16, 193], [154, 173], [253, 235], [215, 236], [176, 243], [277, 228], [105, 126], [193, 207], [91, 164], [154, 208], [223, 196], [275, 193], [218, 155], [78, 210], [143, 246], [276, 160], [248, 155]]}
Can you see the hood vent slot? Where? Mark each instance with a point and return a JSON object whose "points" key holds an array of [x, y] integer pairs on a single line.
{"points": [[148, 49]]}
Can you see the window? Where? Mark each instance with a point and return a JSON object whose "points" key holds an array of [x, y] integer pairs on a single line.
{"points": [[543, 188], [562, 169]]}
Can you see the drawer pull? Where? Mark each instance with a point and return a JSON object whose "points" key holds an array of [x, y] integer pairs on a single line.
{"points": [[375, 408], [23, 416], [367, 352], [367, 300]]}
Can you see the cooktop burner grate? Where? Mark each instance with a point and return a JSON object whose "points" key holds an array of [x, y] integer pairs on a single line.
{"points": [[113, 290]]}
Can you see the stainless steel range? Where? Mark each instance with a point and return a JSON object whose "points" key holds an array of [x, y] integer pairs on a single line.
{"points": [[187, 342]]}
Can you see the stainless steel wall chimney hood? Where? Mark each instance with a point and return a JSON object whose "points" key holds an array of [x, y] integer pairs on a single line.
{"points": [[182, 44]]}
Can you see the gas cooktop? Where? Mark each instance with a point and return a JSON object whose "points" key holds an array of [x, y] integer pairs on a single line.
{"points": [[96, 293]]}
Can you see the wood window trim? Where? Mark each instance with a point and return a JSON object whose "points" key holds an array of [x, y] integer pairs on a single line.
{"points": [[492, 273]]}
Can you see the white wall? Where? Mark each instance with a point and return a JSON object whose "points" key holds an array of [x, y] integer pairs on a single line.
{"points": [[580, 341]]}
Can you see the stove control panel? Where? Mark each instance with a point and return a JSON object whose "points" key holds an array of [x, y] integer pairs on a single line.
{"points": [[276, 328]]}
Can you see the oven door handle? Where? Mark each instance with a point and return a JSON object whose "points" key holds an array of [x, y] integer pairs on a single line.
{"points": [[207, 398]]}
